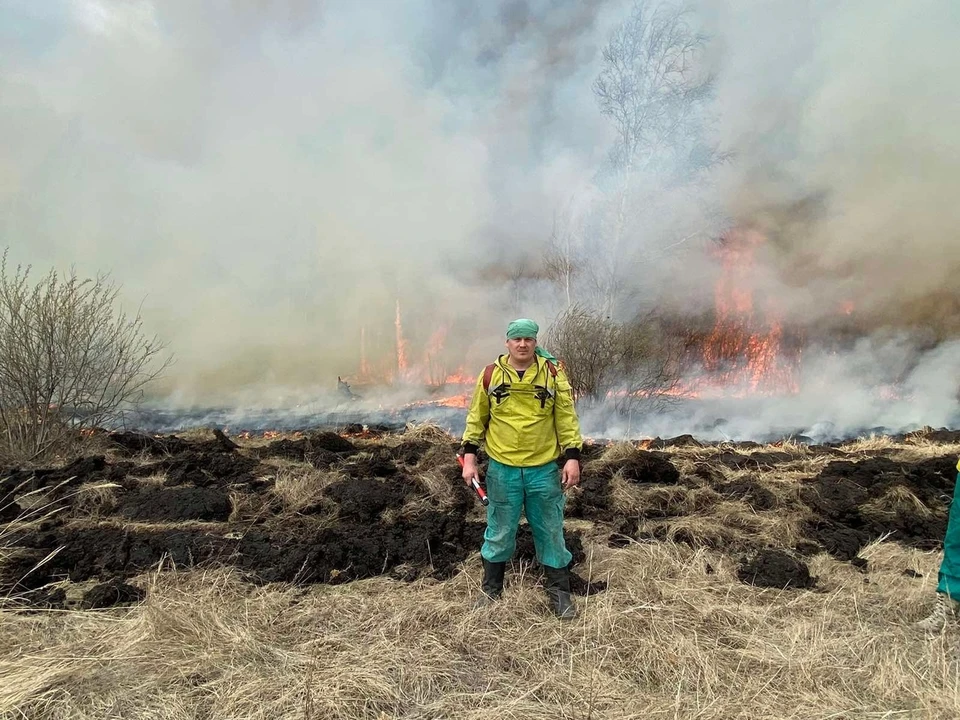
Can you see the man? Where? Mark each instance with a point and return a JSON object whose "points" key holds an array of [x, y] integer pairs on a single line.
{"points": [[523, 409], [948, 585]]}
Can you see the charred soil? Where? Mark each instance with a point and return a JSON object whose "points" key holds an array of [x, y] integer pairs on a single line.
{"points": [[394, 505]]}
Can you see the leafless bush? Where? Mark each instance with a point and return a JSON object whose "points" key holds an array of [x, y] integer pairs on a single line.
{"points": [[629, 363], [68, 361], [650, 367], [591, 348]]}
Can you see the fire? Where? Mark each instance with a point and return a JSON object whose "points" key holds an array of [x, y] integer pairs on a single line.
{"points": [[431, 368], [453, 401], [459, 378], [364, 366], [401, 345], [746, 350]]}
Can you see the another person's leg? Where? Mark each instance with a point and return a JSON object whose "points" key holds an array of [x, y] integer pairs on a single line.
{"points": [[544, 501], [948, 584], [505, 493]]}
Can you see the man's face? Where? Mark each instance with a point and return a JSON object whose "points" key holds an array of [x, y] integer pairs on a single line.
{"points": [[521, 349]]}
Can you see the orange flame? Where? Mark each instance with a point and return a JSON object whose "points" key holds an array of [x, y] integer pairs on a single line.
{"points": [[401, 345], [746, 349], [364, 366]]}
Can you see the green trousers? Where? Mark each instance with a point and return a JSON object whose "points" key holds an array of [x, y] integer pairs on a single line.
{"points": [[535, 491], [950, 566]]}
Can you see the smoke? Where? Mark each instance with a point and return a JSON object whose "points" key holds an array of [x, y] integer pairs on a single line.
{"points": [[846, 149], [876, 387], [272, 178]]}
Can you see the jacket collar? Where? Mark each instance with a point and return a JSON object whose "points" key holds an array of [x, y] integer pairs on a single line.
{"points": [[538, 364]]}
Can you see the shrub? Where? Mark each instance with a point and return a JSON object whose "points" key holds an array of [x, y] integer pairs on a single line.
{"points": [[68, 361], [630, 363]]}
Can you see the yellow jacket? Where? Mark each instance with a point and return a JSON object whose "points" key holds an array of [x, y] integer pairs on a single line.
{"points": [[530, 422]]}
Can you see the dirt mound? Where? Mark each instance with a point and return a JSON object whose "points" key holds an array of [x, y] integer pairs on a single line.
{"points": [[111, 594], [81, 470], [410, 452], [756, 460], [19, 570], [175, 504], [593, 501], [752, 493], [363, 499], [678, 441], [331, 442], [27, 493], [134, 443], [202, 469], [378, 463], [301, 552], [636, 466], [939, 437], [854, 503], [775, 569], [320, 449]]}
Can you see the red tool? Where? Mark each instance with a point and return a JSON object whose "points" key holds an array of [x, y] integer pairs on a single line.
{"points": [[476, 485]]}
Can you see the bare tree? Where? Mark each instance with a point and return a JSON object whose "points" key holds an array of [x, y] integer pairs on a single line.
{"points": [[654, 89], [68, 360], [564, 254]]}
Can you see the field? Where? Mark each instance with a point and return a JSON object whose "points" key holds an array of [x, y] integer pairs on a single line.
{"points": [[327, 575]]}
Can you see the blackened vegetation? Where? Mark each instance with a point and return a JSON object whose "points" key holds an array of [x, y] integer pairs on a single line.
{"points": [[170, 502], [320, 449], [854, 503], [775, 569], [843, 509], [639, 467]]}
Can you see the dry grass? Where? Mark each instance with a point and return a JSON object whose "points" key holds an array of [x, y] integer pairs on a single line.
{"points": [[618, 452], [676, 635], [300, 485], [95, 500], [429, 432], [869, 445], [666, 640]]}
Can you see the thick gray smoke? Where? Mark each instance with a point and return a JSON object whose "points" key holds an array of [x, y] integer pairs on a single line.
{"points": [[275, 177], [847, 151]]}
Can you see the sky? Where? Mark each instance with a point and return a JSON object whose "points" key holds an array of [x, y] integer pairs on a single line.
{"points": [[268, 180]]}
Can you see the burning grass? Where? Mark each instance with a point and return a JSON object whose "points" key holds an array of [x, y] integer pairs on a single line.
{"points": [[247, 557]]}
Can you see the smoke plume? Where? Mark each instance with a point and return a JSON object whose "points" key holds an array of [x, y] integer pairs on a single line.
{"points": [[273, 179]]}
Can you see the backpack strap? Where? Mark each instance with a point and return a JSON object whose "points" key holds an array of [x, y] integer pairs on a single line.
{"points": [[552, 368], [501, 392], [487, 376]]}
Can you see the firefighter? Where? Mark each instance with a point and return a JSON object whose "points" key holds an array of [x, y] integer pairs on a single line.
{"points": [[522, 409], [947, 607]]}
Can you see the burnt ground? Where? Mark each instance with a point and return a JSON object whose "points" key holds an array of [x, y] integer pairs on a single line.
{"points": [[394, 505]]}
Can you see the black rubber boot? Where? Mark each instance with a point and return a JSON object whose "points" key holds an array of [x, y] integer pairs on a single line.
{"points": [[492, 586], [558, 590]]}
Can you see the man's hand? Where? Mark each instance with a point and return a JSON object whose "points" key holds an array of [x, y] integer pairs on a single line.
{"points": [[571, 474], [469, 469]]}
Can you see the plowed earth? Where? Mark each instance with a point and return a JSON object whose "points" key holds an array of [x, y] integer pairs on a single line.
{"points": [[394, 505]]}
